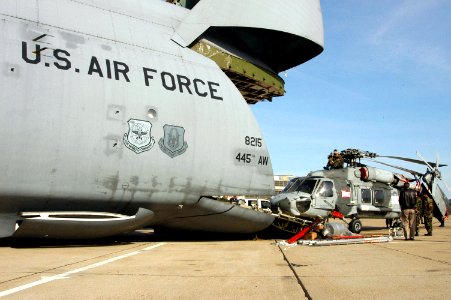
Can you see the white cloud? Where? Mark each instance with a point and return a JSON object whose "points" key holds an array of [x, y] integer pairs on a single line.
{"points": [[403, 13], [404, 37]]}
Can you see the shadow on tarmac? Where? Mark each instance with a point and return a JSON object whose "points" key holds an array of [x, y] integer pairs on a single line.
{"points": [[367, 228], [143, 235], [151, 235]]}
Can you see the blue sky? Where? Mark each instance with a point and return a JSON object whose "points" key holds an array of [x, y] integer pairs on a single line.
{"points": [[382, 84]]}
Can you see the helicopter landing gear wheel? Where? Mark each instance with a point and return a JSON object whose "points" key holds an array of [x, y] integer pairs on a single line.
{"points": [[355, 226]]}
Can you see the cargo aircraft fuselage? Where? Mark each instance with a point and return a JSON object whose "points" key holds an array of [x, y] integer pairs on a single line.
{"points": [[109, 123]]}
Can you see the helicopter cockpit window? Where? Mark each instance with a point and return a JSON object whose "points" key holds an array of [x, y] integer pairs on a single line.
{"points": [[325, 189], [378, 197], [366, 196], [292, 186], [307, 186]]}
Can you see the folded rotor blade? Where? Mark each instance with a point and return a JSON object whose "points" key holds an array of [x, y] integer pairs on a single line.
{"points": [[399, 168], [416, 161]]}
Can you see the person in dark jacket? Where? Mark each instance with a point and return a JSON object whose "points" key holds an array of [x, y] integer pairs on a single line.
{"points": [[408, 201]]}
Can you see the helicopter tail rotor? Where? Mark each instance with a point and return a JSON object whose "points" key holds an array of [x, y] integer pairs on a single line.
{"points": [[433, 168], [431, 185]]}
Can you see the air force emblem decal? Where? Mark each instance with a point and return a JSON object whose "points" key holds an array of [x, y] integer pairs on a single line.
{"points": [[173, 143], [138, 138]]}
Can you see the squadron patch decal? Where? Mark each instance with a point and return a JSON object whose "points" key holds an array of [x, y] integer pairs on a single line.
{"points": [[138, 138], [173, 143]]}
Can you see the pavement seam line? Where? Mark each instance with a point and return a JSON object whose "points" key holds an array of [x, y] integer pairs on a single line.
{"points": [[66, 274], [306, 293], [415, 255]]}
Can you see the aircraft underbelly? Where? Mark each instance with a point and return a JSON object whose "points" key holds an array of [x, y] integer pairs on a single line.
{"points": [[215, 216], [78, 226], [87, 118]]}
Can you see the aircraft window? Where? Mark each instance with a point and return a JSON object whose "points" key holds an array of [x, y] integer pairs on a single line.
{"points": [[366, 196], [266, 204], [252, 202], [325, 189], [295, 186], [307, 186], [287, 187], [378, 196], [291, 186]]}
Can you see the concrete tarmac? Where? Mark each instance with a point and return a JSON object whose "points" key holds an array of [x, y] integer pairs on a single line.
{"points": [[143, 265]]}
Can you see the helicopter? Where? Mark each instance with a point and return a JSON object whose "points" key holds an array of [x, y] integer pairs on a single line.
{"points": [[357, 191]]}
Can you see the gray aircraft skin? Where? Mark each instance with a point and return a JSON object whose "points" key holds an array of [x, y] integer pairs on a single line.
{"points": [[323, 191], [110, 122]]}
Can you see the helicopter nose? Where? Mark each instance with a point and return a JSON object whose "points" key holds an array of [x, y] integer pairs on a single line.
{"points": [[303, 205]]}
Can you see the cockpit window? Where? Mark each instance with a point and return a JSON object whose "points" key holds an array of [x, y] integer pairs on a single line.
{"points": [[295, 186], [325, 189], [307, 186], [300, 185], [289, 185]]}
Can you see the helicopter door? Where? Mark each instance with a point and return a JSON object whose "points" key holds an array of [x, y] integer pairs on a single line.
{"points": [[325, 195]]}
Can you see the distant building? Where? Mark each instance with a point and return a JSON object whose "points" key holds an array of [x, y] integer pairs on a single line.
{"points": [[280, 181]]}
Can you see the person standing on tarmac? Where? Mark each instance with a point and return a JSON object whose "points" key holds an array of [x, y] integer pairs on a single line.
{"points": [[418, 213], [428, 207], [407, 201]]}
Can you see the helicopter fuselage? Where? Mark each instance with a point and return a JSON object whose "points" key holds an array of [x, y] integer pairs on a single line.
{"points": [[343, 190]]}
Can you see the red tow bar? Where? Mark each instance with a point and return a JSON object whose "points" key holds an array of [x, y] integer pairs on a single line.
{"points": [[304, 231]]}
